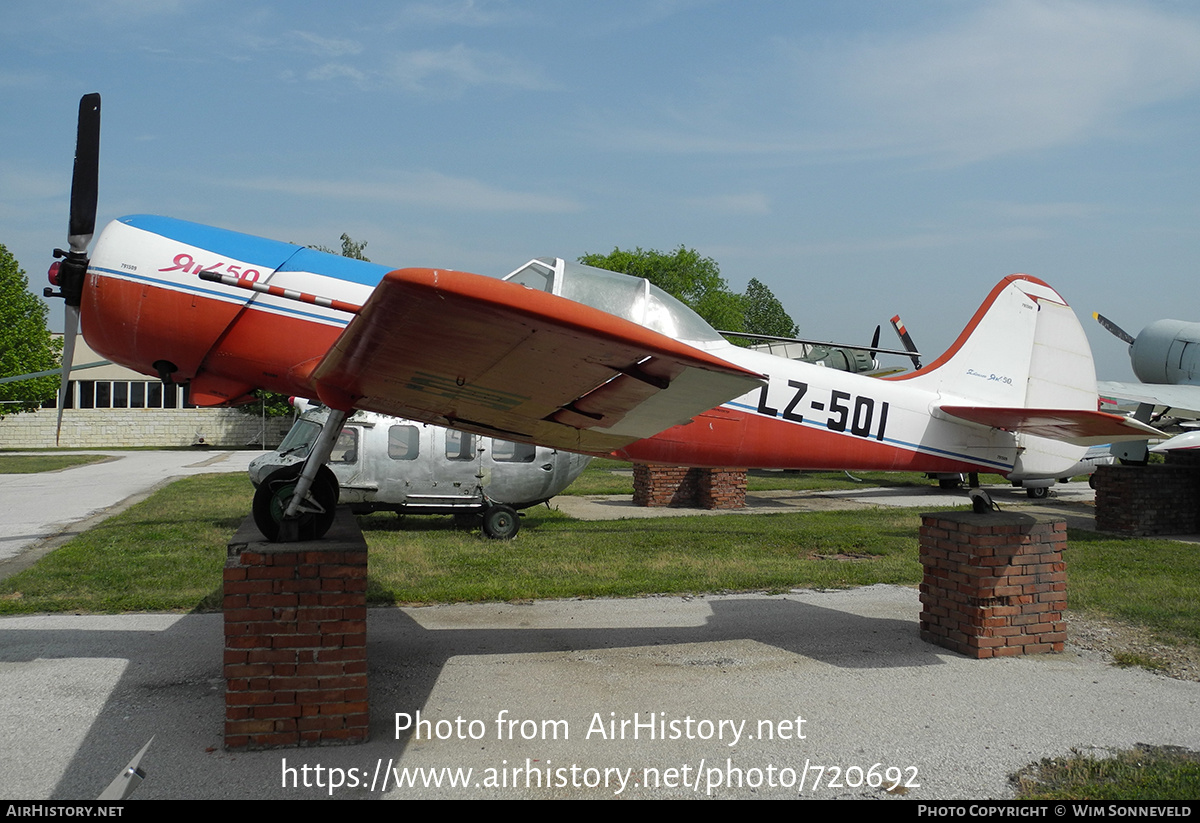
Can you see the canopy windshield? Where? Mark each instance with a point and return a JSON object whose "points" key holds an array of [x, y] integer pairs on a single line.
{"points": [[633, 298]]}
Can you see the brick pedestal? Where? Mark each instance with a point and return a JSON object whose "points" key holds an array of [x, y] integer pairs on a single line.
{"points": [[296, 639], [995, 584], [1142, 500], [688, 488]]}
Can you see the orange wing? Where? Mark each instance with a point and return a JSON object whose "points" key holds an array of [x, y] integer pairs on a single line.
{"points": [[483, 355]]}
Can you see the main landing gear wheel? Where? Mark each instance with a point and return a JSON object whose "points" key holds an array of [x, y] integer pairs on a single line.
{"points": [[273, 495], [1038, 492], [501, 522]]}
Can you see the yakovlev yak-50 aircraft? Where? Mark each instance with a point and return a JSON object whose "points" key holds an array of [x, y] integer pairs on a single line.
{"points": [[557, 354]]}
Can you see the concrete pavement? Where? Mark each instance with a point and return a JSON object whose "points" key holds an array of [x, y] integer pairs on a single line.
{"points": [[43, 510], [755, 688]]}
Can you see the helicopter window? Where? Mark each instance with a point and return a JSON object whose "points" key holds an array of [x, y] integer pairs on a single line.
{"points": [[404, 442], [345, 450], [459, 445], [504, 451]]}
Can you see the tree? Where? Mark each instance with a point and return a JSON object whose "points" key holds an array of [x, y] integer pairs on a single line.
{"points": [[683, 273], [350, 248], [25, 343], [764, 313], [697, 281], [354, 249]]}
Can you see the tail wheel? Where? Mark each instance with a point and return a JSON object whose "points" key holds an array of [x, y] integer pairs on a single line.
{"points": [[501, 522], [273, 495]]}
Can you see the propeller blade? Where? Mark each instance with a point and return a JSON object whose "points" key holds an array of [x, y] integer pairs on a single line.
{"points": [[1113, 328], [875, 341], [906, 340], [85, 179], [70, 331]]}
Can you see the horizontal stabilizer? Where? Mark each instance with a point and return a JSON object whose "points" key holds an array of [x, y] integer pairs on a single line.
{"points": [[1081, 427], [484, 355]]}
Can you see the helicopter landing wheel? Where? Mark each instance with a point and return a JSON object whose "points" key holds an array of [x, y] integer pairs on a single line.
{"points": [[501, 522]]}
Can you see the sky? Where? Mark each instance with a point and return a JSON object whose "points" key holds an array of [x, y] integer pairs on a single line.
{"points": [[862, 159]]}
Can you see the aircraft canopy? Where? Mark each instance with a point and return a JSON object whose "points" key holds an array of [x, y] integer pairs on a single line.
{"points": [[632, 298]]}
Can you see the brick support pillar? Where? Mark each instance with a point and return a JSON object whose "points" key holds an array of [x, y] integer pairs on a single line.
{"points": [[296, 639], [995, 584], [1142, 500], [681, 487]]}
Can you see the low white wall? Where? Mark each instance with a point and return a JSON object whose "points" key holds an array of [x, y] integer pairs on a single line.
{"points": [[108, 428]]}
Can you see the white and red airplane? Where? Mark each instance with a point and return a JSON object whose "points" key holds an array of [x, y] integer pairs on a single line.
{"points": [[557, 354]]}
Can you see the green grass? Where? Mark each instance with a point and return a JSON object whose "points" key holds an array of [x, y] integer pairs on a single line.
{"points": [[1152, 583], [166, 553], [425, 560], [1145, 773], [163, 554], [32, 463], [604, 476]]}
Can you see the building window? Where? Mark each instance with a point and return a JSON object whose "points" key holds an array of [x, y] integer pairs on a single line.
{"points": [[120, 394]]}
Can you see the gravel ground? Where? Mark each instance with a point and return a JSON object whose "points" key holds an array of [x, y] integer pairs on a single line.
{"points": [[1115, 639]]}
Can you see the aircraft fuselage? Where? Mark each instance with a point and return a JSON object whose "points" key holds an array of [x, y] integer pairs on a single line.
{"points": [[146, 307]]}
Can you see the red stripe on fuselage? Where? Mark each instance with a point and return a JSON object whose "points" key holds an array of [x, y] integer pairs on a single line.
{"points": [[238, 343], [727, 437]]}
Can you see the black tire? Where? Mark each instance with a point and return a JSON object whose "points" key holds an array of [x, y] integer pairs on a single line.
{"points": [[1038, 492], [273, 495], [949, 483], [501, 522]]}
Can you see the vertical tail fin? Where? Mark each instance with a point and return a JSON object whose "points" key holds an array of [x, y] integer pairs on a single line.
{"points": [[1024, 348]]}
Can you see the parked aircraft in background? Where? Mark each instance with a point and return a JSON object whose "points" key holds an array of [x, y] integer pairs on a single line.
{"points": [[387, 463], [1166, 357], [841, 356], [557, 354]]}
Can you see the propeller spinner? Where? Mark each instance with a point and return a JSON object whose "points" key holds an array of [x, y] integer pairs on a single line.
{"points": [[69, 273]]}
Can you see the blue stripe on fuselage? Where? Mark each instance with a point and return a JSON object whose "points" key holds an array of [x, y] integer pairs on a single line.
{"points": [[223, 296], [271, 255]]}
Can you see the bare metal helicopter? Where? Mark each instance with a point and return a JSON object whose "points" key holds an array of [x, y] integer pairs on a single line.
{"points": [[385, 463]]}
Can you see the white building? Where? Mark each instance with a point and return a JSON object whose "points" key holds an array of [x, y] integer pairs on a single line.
{"points": [[112, 406]]}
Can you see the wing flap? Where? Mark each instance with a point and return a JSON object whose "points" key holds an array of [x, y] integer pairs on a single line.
{"points": [[1081, 427], [481, 354]]}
